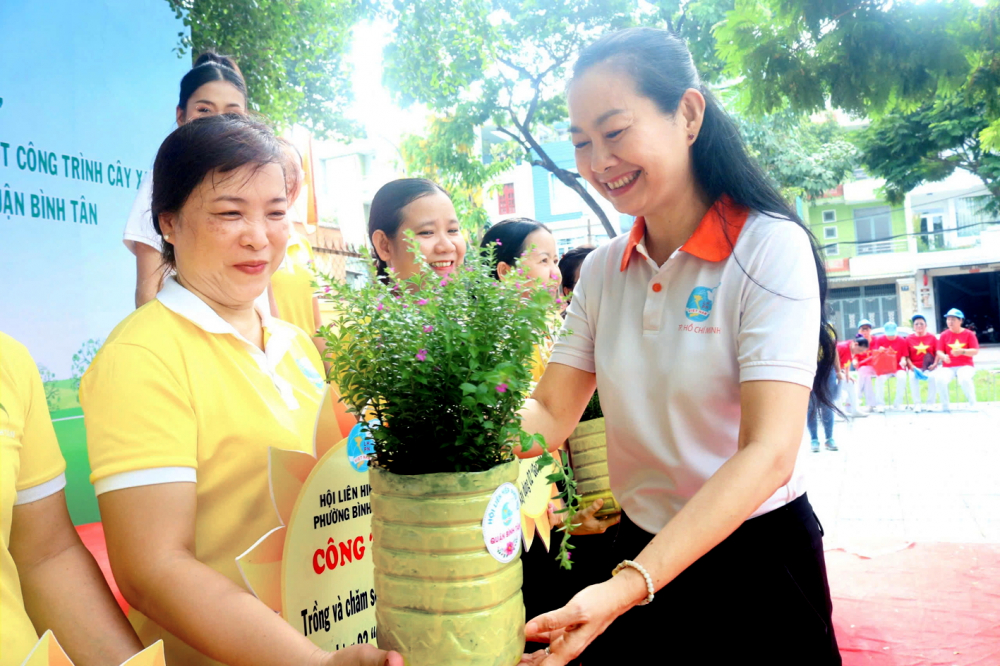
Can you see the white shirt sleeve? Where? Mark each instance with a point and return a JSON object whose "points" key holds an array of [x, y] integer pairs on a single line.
{"points": [[139, 227], [41, 491], [779, 313], [575, 345]]}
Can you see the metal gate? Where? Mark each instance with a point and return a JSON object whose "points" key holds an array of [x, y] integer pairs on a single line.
{"points": [[850, 305]]}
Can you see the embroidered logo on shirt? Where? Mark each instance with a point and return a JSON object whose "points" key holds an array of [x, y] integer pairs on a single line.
{"points": [[699, 303], [310, 373]]}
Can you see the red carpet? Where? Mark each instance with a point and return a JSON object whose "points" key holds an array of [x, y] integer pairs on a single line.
{"points": [[92, 535], [934, 604]]}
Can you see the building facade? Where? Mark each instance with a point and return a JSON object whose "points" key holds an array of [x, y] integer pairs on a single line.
{"points": [[939, 250], [531, 191]]}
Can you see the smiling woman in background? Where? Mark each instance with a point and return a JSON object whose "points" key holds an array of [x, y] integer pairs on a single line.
{"points": [[424, 208], [213, 86], [187, 394]]}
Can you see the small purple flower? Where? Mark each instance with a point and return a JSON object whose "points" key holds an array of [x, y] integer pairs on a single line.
{"points": [[499, 243], [569, 556], [501, 388], [444, 282], [379, 307], [517, 285], [405, 306], [421, 355], [428, 328], [326, 289], [422, 301]]}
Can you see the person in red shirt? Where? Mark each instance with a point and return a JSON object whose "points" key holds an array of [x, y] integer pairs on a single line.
{"points": [[847, 352], [866, 373], [956, 348], [923, 359], [898, 345]]}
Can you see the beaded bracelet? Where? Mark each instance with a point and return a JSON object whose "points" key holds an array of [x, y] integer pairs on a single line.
{"points": [[638, 567]]}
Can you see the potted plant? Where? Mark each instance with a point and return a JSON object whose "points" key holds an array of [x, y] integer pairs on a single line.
{"points": [[589, 455], [439, 367]]}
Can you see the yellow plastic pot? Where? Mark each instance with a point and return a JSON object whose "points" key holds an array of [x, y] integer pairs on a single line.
{"points": [[588, 447], [442, 599]]}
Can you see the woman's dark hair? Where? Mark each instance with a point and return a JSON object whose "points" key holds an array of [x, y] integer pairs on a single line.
{"points": [[861, 340], [662, 68], [386, 213], [511, 238], [210, 66], [570, 264], [215, 144]]}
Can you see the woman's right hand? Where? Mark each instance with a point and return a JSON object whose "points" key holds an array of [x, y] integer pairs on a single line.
{"points": [[362, 655]]}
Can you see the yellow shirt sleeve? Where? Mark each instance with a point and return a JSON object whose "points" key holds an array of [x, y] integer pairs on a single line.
{"points": [[137, 412], [41, 458]]}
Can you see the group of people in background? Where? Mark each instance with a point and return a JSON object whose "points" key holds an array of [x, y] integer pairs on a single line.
{"points": [[718, 279], [864, 370]]}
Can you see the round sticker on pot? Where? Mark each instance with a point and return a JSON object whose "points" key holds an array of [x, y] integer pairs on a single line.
{"points": [[360, 445], [502, 524]]}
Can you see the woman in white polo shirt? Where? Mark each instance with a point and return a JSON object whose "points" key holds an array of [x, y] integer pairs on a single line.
{"points": [[701, 331]]}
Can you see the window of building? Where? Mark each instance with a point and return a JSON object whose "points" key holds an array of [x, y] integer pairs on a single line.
{"points": [[833, 250], [971, 216], [829, 216], [829, 233], [507, 199], [873, 227]]}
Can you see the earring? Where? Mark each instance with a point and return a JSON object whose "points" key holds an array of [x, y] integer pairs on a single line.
{"points": [[690, 137], [166, 237]]}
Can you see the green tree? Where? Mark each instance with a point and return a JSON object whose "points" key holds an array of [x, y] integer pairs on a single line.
{"points": [[82, 359], [448, 156], [803, 157], [51, 390], [927, 73], [290, 52], [928, 144], [501, 62]]}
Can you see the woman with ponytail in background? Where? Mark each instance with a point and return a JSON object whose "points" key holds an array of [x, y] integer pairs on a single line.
{"points": [[425, 209], [700, 330], [214, 85]]}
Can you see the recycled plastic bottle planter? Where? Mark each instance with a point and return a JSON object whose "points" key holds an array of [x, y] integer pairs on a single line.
{"points": [[443, 599], [588, 447]]}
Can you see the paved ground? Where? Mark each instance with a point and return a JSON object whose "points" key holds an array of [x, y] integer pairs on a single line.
{"points": [[902, 476]]}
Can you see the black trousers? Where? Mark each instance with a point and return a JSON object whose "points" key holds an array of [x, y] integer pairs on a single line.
{"points": [[760, 596]]}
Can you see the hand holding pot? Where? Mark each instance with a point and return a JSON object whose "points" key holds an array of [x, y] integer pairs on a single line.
{"points": [[362, 655], [573, 627]]}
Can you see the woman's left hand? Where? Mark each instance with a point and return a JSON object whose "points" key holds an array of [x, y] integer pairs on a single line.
{"points": [[573, 627], [585, 522]]}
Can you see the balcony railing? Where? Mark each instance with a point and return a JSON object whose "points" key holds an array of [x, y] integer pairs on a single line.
{"points": [[883, 247]]}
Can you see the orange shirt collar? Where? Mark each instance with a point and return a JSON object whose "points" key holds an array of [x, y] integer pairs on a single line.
{"points": [[709, 240]]}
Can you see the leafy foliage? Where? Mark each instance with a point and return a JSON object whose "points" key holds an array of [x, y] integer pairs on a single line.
{"points": [[51, 391], [928, 74], [442, 363], [803, 157], [290, 52], [928, 145], [499, 62], [447, 155], [83, 358]]}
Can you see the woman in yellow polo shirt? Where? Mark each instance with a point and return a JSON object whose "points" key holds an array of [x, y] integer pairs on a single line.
{"points": [[422, 207], [187, 394], [700, 330], [48, 579]]}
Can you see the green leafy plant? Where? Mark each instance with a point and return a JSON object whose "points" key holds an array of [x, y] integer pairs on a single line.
{"points": [[442, 363], [566, 482]]}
